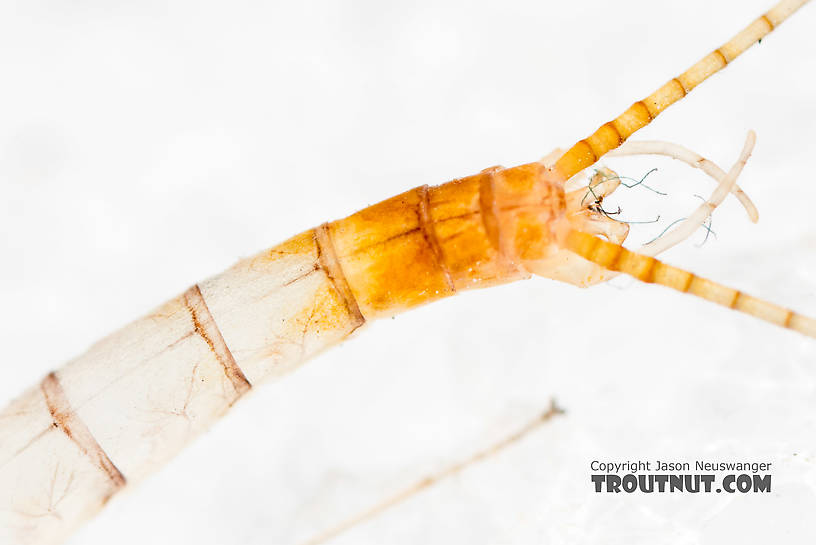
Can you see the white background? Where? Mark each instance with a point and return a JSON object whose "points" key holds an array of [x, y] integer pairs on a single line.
{"points": [[145, 146]]}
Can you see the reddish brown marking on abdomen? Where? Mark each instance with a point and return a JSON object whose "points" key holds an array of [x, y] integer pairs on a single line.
{"points": [[71, 425], [206, 327], [487, 207], [426, 226], [327, 260]]}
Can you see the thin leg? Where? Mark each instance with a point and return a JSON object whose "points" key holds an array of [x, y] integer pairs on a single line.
{"points": [[676, 151], [688, 226]]}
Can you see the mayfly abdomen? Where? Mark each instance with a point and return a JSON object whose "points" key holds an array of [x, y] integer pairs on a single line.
{"points": [[133, 400]]}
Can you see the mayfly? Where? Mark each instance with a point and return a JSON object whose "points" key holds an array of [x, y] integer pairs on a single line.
{"points": [[114, 415]]}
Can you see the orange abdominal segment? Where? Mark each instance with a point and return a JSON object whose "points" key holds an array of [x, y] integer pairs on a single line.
{"points": [[431, 242]]}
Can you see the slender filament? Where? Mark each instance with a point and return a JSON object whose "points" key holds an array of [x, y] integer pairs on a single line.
{"points": [[650, 270], [614, 133]]}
